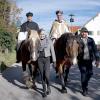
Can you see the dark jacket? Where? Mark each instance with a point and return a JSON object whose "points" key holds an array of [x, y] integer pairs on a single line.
{"points": [[93, 53], [29, 25]]}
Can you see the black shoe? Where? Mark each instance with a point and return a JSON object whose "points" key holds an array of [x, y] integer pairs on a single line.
{"points": [[85, 92], [64, 90], [48, 90]]}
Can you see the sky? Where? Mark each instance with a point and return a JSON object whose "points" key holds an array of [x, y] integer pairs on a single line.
{"points": [[44, 10]]}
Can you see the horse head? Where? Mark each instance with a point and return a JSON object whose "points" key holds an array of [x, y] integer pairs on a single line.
{"points": [[73, 47], [33, 38]]}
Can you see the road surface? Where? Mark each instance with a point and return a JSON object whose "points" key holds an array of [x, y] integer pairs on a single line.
{"points": [[12, 87]]}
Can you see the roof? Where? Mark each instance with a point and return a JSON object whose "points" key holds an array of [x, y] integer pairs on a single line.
{"points": [[74, 28], [91, 19]]}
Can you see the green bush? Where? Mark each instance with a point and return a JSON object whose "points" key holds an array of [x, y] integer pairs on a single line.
{"points": [[6, 40]]}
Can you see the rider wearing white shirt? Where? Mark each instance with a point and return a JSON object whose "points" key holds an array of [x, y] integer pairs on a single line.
{"points": [[59, 26]]}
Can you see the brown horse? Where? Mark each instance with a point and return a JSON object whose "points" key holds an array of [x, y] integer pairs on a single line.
{"points": [[66, 49], [29, 54]]}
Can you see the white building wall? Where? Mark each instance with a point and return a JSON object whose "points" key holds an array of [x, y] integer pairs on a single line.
{"points": [[94, 26]]}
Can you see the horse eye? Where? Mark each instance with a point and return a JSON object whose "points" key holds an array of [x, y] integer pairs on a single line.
{"points": [[77, 41]]}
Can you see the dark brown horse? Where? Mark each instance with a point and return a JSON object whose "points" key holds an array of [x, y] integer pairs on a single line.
{"points": [[66, 49], [29, 54]]}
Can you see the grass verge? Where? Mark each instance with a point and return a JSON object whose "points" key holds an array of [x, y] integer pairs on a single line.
{"points": [[6, 60]]}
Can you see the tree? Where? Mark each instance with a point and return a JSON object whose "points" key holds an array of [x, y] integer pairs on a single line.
{"points": [[4, 13], [8, 13], [6, 41]]}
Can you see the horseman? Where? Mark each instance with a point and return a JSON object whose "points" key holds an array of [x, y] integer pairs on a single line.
{"points": [[59, 26], [25, 27]]}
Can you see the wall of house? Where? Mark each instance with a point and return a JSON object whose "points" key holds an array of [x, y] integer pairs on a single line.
{"points": [[94, 28]]}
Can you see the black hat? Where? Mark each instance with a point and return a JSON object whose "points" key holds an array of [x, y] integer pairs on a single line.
{"points": [[29, 14], [59, 11], [84, 29]]}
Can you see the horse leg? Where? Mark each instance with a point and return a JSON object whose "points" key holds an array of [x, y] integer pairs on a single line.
{"points": [[66, 75], [18, 53], [26, 77], [57, 70], [62, 79], [18, 57], [30, 69], [34, 73]]}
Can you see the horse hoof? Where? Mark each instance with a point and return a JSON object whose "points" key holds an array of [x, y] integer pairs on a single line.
{"points": [[44, 95], [34, 87], [64, 90]]}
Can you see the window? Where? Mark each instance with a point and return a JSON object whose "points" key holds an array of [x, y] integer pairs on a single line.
{"points": [[90, 32], [98, 33]]}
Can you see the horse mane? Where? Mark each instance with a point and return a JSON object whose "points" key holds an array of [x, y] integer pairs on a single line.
{"points": [[64, 37], [33, 34], [60, 46]]}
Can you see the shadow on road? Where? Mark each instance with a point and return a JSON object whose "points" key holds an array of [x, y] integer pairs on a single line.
{"points": [[14, 76]]}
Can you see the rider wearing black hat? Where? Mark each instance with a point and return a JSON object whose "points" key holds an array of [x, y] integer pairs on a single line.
{"points": [[29, 14], [25, 27], [29, 24]]}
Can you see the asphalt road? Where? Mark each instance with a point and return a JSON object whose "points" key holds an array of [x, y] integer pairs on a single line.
{"points": [[12, 87]]}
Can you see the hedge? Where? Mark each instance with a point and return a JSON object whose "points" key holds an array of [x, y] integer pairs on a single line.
{"points": [[6, 40]]}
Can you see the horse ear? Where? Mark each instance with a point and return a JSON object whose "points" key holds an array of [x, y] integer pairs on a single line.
{"points": [[29, 31], [76, 33]]}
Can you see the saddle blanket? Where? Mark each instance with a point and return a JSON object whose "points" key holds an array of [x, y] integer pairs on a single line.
{"points": [[22, 36]]}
